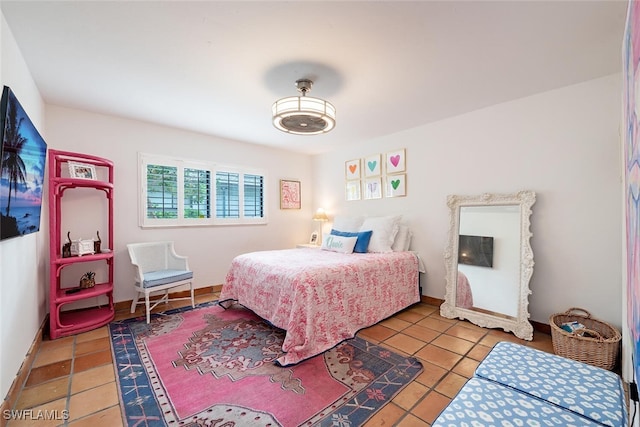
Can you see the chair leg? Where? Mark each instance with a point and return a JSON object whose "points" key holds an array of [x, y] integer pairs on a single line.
{"points": [[134, 303], [193, 305], [146, 302]]}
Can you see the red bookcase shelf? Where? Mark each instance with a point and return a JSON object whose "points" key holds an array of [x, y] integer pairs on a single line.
{"points": [[68, 322]]}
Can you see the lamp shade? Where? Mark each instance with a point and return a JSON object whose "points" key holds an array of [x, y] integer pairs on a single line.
{"points": [[320, 215]]}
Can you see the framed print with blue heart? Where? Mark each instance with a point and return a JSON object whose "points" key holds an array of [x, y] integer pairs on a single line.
{"points": [[372, 166]]}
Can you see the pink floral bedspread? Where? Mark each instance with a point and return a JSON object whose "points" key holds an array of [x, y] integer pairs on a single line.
{"points": [[320, 297]]}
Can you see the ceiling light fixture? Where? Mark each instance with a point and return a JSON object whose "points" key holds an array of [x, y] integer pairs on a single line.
{"points": [[304, 115]]}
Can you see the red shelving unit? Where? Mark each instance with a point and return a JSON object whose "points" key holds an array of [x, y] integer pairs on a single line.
{"points": [[69, 322]]}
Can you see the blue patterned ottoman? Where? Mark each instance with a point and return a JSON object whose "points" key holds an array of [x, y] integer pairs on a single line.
{"points": [[585, 390], [485, 403]]}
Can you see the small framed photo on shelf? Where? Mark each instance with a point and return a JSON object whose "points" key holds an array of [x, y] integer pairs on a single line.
{"points": [[289, 194], [82, 170], [372, 166], [313, 240]]}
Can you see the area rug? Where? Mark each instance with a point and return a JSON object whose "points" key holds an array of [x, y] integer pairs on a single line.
{"points": [[214, 367]]}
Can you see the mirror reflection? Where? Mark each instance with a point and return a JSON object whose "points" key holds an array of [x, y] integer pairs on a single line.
{"points": [[489, 261]]}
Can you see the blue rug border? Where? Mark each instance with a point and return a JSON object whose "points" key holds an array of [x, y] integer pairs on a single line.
{"points": [[132, 377]]}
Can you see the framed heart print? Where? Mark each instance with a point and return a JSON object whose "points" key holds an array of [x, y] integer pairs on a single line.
{"points": [[395, 161], [396, 185], [372, 166]]}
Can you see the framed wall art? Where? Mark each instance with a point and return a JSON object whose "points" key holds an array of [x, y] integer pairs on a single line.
{"points": [[82, 170], [395, 161], [372, 166], [373, 188], [396, 185], [289, 194], [352, 190], [352, 169]]}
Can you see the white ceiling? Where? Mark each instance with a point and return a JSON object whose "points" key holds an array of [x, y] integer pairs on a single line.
{"points": [[216, 67]]}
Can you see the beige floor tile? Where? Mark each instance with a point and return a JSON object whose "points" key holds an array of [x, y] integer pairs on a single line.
{"points": [[411, 421], [410, 316], [456, 345], [93, 346], [430, 407], [422, 333], [387, 416], [93, 400], [110, 417], [451, 384], [409, 395], [92, 378], [53, 355], [405, 343], [93, 335], [48, 344], [439, 356], [377, 333], [435, 324], [395, 324], [466, 333], [43, 393], [431, 374], [49, 414], [466, 367]]}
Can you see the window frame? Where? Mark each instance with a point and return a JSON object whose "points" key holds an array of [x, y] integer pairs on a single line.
{"points": [[145, 159]]}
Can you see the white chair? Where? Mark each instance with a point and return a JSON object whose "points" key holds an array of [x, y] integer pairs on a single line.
{"points": [[158, 268]]}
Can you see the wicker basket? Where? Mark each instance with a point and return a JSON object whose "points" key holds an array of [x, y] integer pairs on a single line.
{"points": [[600, 349]]}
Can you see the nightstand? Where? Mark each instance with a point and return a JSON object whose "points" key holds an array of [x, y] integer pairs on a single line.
{"points": [[307, 245]]}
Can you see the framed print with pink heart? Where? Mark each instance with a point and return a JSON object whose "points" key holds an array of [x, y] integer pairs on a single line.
{"points": [[396, 185], [372, 166], [396, 161]]}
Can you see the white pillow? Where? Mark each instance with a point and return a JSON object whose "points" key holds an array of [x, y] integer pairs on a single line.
{"points": [[403, 239], [384, 233], [340, 244], [349, 224]]}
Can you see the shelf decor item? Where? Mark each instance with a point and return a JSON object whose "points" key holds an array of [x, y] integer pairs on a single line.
{"points": [[88, 280], [82, 170], [66, 248], [96, 243], [81, 247]]}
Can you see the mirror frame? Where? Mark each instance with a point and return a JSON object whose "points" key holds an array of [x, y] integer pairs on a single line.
{"points": [[520, 325]]}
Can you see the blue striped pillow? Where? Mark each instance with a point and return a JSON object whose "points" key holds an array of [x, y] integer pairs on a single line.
{"points": [[362, 243]]}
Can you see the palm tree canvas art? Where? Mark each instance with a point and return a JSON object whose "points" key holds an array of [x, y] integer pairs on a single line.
{"points": [[22, 162]]}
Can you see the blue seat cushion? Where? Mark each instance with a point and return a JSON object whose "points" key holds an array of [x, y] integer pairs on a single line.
{"points": [[586, 390], [482, 402], [162, 277]]}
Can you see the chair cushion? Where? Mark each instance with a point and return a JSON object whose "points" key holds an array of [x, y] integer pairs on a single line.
{"points": [[481, 402], [162, 277], [586, 390]]}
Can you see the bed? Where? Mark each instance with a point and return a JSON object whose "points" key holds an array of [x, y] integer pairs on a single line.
{"points": [[320, 297]]}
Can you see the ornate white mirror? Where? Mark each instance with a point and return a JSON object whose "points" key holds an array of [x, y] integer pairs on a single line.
{"points": [[489, 261]]}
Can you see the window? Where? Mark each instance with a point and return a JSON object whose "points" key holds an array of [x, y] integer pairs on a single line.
{"points": [[177, 192]]}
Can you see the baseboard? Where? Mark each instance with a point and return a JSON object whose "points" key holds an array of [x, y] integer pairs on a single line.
{"points": [[537, 326], [12, 395]]}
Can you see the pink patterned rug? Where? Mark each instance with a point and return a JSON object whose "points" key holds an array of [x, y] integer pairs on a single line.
{"points": [[214, 367]]}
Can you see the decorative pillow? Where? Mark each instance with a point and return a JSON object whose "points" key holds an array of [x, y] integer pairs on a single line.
{"points": [[347, 223], [384, 233], [362, 244], [338, 243], [403, 239]]}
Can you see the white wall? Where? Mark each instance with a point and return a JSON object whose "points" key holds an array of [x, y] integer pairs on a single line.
{"points": [[562, 144], [210, 249], [23, 260]]}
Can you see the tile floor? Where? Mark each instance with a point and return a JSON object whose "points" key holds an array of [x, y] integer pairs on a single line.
{"points": [[76, 374]]}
